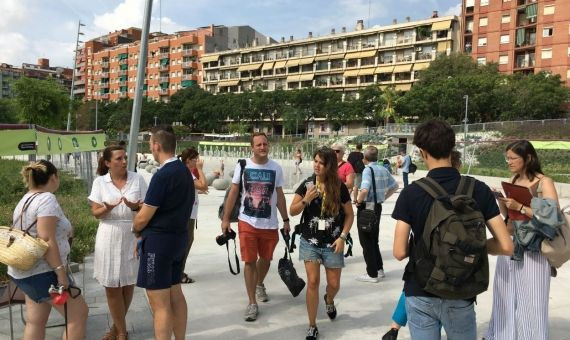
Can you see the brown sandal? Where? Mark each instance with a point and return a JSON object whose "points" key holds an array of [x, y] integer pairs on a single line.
{"points": [[111, 334]]}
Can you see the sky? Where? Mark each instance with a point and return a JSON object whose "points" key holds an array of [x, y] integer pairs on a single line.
{"points": [[32, 29]]}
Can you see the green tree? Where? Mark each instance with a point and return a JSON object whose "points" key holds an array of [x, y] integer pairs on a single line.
{"points": [[8, 111], [369, 104], [389, 100], [42, 102]]}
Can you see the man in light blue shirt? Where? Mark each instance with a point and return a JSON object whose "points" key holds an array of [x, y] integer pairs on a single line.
{"points": [[385, 187], [406, 161]]}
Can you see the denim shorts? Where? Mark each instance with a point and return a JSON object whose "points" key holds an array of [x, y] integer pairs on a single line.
{"points": [[325, 255], [36, 286]]}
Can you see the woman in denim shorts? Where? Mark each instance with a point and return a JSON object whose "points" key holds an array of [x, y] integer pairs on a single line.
{"points": [[327, 217], [39, 208]]}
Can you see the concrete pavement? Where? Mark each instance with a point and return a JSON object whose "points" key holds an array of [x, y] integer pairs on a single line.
{"points": [[217, 300]]}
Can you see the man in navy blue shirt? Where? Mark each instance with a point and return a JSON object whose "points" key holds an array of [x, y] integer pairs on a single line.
{"points": [[427, 313], [161, 222]]}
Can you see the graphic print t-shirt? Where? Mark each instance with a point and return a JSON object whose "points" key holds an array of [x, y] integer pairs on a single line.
{"points": [[259, 198]]}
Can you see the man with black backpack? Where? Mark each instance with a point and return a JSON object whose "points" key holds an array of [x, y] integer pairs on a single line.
{"points": [[440, 225], [355, 159]]}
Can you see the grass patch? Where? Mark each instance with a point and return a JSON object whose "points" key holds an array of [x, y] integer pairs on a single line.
{"points": [[72, 197]]}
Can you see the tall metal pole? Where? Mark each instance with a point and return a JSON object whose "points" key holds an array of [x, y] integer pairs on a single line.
{"points": [[73, 76], [465, 129], [136, 113]]}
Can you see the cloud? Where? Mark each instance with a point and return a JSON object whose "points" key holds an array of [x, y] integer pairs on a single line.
{"points": [[130, 13], [13, 47], [13, 13], [453, 10]]}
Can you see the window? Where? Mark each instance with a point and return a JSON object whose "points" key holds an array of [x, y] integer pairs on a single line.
{"points": [[483, 22], [505, 39], [548, 10], [503, 60], [469, 3], [546, 53], [484, 3], [482, 42], [506, 0], [547, 31], [505, 19], [481, 61]]}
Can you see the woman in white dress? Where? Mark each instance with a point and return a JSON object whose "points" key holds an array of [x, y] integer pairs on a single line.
{"points": [[115, 196]]}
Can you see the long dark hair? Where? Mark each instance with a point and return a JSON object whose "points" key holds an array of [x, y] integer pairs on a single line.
{"points": [[188, 153], [102, 168], [331, 183], [526, 151], [37, 173]]}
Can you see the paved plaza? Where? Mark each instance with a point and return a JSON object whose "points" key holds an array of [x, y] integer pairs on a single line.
{"points": [[217, 300]]}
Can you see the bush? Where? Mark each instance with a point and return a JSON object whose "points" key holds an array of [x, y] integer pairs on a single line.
{"points": [[72, 197]]}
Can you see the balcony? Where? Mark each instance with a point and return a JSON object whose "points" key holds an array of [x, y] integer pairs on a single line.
{"points": [[163, 68], [163, 91], [423, 56], [123, 61], [104, 96], [404, 40], [404, 59], [123, 83], [188, 77], [79, 90], [104, 75], [123, 72], [188, 52], [163, 79], [79, 82], [123, 95], [105, 64], [104, 85], [164, 54], [188, 64]]}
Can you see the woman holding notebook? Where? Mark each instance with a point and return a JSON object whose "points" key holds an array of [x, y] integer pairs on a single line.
{"points": [[521, 287]]}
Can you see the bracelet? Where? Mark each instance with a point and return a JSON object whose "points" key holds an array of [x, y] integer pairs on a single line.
{"points": [[61, 266], [285, 220], [522, 206], [343, 236]]}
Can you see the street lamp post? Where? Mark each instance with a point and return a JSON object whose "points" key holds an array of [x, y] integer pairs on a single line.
{"points": [[155, 117], [465, 128]]}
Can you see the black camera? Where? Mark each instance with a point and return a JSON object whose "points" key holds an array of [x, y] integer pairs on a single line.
{"points": [[224, 238]]}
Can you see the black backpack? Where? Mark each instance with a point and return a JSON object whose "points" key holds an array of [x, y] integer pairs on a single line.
{"points": [[449, 258]]}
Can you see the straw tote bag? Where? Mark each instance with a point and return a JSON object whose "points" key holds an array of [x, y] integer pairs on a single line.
{"points": [[18, 248]]}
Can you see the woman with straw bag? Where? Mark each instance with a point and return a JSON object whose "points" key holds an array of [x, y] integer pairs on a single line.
{"points": [[47, 222]]}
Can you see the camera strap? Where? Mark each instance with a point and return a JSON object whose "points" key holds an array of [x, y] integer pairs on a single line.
{"points": [[237, 271]]}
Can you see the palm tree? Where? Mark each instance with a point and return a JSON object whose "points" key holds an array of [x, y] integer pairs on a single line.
{"points": [[390, 98]]}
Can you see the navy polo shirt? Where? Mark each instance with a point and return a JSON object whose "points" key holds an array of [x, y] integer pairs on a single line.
{"points": [[413, 206], [171, 190]]}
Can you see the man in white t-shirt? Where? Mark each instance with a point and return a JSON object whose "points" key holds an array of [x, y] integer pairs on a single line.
{"points": [[262, 195]]}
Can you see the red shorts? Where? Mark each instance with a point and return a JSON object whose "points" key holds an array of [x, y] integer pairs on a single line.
{"points": [[254, 242]]}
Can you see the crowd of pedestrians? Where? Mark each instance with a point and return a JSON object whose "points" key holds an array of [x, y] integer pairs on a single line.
{"points": [[145, 235]]}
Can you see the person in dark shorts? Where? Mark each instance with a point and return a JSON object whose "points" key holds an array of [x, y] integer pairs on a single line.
{"points": [[162, 224]]}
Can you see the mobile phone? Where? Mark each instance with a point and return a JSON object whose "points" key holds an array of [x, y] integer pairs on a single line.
{"points": [[309, 185], [498, 194]]}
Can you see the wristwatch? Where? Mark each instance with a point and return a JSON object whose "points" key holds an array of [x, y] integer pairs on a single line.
{"points": [[522, 210]]}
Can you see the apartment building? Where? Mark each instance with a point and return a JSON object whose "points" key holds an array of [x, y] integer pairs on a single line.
{"points": [[525, 36], [341, 61], [41, 70], [107, 66]]}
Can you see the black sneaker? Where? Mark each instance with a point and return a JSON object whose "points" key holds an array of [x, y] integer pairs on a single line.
{"points": [[331, 309], [312, 333], [391, 335]]}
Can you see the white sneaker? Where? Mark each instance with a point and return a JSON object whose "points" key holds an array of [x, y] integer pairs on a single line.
{"points": [[261, 294], [366, 278], [381, 273], [251, 313]]}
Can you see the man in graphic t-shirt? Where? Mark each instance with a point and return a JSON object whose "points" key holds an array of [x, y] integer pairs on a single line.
{"points": [[262, 195]]}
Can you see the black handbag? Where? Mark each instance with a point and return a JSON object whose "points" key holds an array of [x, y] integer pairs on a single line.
{"points": [[237, 205], [287, 272], [366, 219]]}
